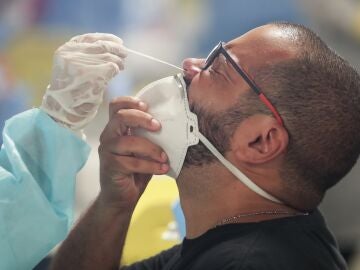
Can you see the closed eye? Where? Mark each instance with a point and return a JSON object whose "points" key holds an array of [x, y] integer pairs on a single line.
{"points": [[215, 73]]}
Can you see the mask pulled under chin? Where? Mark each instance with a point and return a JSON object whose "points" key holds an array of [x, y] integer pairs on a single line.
{"points": [[168, 103]]}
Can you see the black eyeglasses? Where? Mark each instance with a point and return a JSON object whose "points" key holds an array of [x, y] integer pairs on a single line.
{"points": [[219, 49]]}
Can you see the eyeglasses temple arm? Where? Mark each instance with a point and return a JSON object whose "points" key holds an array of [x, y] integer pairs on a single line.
{"points": [[254, 87]]}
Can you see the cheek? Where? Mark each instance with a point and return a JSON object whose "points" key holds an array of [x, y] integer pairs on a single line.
{"points": [[203, 91], [201, 87], [199, 94], [194, 90], [205, 98]]}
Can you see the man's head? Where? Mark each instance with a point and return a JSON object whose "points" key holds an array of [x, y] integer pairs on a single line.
{"points": [[316, 93]]}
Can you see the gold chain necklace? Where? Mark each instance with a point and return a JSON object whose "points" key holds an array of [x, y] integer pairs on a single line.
{"points": [[267, 212]]}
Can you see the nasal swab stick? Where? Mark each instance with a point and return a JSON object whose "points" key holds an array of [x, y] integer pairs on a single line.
{"points": [[153, 58]]}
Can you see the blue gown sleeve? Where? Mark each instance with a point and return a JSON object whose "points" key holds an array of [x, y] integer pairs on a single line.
{"points": [[39, 160]]}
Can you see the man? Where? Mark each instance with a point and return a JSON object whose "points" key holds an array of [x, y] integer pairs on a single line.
{"points": [[282, 108], [42, 151]]}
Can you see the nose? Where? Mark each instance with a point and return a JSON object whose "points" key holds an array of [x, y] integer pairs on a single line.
{"points": [[192, 66]]}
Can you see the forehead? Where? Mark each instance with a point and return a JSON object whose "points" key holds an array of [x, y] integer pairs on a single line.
{"points": [[262, 46]]}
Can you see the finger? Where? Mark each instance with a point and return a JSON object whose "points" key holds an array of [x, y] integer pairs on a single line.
{"points": [[93, 59], [104, 65], [112, 47], [93, 37], [108, 57], [117, 166], [98, 47], [129, 165], [129, 118], [136, 119], [88, 59], [108, 71], [135, 146], [84, 109], [126, 103]]}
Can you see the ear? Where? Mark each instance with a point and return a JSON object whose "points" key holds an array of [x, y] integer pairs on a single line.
{"points": [[259, 139]]}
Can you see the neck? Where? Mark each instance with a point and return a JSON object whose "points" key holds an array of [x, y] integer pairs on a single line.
{"points": [[212, 195]]}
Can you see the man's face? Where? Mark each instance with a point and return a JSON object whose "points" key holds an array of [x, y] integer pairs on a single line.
{"points": [[214, 93]]}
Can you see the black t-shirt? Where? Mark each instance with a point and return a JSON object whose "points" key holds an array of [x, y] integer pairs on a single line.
{"points": [[300, 242]]}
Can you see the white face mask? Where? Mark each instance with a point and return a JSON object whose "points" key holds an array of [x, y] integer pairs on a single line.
{"points": [[168, 103]]}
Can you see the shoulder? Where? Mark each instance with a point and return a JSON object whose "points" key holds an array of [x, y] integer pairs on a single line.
{"points": [[292, 243], [157, 262], [226, 248], [295, 243]]}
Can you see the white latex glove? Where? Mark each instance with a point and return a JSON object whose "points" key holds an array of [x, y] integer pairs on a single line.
{"points": [[82, 69]]}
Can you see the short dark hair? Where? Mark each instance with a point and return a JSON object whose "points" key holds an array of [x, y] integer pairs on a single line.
{"points": [[317, 93]]}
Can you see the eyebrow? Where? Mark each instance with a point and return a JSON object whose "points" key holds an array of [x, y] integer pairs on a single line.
{"points": [[227, 46]]}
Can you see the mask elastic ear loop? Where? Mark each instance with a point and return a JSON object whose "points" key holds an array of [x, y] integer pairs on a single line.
{"points": [[235, 171]]}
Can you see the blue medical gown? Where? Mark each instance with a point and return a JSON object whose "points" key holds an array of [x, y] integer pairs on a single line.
{"points": [[39, 160]]}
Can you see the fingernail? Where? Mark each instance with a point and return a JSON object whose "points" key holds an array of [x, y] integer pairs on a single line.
{"points": [[164, 167], [163, 156], [155, 123], [142, 105]]}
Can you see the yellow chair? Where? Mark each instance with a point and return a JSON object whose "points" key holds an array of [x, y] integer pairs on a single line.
{"points": [[151, 229]]}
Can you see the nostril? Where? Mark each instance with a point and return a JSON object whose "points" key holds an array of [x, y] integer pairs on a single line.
{"points": [[191, 72], [187, 63], [192, 64]]}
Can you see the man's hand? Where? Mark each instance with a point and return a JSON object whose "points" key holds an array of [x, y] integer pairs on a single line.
{"points": [[127, 162], [82, 69]]}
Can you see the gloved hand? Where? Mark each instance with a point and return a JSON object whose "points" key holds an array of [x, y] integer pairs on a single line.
{"points": [[82, 69]]}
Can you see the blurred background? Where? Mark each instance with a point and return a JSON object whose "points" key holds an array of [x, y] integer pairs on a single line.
{"points": [[31, 30]]}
